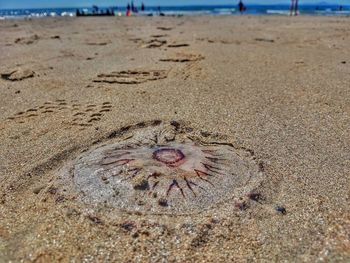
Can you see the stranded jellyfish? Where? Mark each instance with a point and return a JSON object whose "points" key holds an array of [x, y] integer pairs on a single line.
{"points": [[165, 169]]}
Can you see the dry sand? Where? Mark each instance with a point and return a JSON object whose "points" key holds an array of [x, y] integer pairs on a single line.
{"points": [[278, 86]]}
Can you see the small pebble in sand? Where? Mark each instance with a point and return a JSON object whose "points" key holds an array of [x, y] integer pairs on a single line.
{"points": [[72, 212], [163, 202], [37, 189], [281, 209], [254, 196], [241, 205], [95, 219], [128, 225]]}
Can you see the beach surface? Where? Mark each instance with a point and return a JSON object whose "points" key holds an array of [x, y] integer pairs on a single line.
{"points": [[276, 86]]}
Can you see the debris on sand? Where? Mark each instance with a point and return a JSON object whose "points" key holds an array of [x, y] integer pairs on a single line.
{"points": [[17, 74]]}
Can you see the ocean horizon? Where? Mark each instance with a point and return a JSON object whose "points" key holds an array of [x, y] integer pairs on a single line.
{"points": [[281, 9]]}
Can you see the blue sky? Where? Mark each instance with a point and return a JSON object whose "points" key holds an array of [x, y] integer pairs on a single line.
{"points": [[79, 3]]}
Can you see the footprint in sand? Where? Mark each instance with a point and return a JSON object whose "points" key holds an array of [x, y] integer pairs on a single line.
{"points": [[183, 57], [157, 42], [27, 40], [190, 70], [75, 114], [98, 43], [175, 45], [17, 74], [136, 40], [159, 35], [131, 76], [218, 41], [154, 43], [264, 40], [192, 66], [164, 28]]}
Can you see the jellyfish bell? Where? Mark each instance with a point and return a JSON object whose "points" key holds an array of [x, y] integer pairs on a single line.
{"points": [[153, 165]]}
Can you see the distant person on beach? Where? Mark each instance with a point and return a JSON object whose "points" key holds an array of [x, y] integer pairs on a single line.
{"points": [[133, 7], [294, 7], [128, 10], [160, 12], [142, 7], [241, 7], [94, 9]]}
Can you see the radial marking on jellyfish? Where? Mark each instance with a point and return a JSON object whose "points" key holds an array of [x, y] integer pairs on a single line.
{"points": [[148, 166]]}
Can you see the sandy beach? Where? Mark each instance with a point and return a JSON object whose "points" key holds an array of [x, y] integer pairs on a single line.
{"points": [[273, 90]]}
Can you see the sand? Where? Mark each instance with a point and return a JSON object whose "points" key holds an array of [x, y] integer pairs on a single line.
{"points": [[278, 86]]}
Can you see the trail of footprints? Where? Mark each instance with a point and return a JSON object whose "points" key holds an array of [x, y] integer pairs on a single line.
{"points": [[75, 114], [158, 41], [191, 68]]}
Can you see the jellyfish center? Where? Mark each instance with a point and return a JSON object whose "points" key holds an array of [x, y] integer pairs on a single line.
{"points": [[170, 156]]}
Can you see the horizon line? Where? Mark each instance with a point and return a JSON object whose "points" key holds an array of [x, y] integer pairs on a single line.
{"points": [[185, 5]]}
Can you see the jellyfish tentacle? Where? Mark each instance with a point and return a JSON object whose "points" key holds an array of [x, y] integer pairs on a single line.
{"points": [[216, 160], [118, 162], [189, 185], [200, 176], [175, 184], [155, 185], [213, 168]]}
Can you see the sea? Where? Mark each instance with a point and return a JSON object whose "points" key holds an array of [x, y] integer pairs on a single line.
{"points": [[189, 10]]}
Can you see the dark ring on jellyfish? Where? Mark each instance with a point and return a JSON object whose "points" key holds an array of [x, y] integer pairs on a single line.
{"points": [[170, 156]]}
